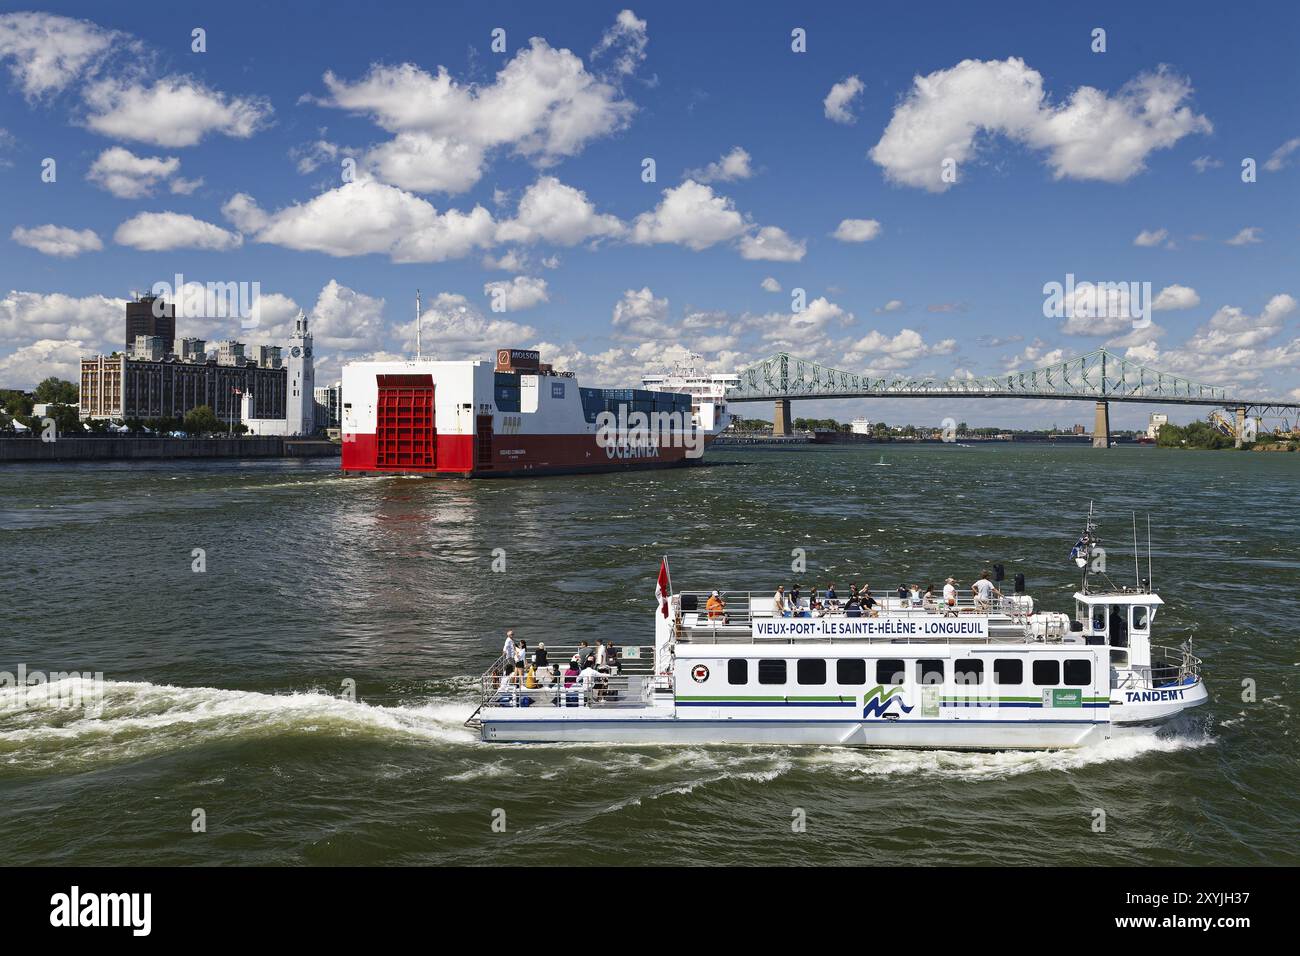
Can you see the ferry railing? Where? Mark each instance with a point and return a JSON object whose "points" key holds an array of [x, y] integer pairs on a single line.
{"points": [[1170, 667], [696, 623], [603, 693]]}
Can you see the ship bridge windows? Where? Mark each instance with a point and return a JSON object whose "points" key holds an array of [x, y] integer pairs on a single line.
{"points": [[1008, 670], [737, 671], [890, 671], [771, 672], [810, 670], [1141, 617], [1099, 618], [968, 671]]}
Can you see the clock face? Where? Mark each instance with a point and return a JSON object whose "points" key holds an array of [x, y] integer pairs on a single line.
{"points": [[295, 351]]}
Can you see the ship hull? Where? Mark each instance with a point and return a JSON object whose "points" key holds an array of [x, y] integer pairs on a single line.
{"points": [[515, 456], [902, 734]]}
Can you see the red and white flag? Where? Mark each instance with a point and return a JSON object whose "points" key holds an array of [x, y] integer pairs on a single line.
{"points": [[663, 588]]}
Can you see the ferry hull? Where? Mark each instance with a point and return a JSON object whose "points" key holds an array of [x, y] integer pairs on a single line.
{"points": [[1145, 708], [907, 735]]}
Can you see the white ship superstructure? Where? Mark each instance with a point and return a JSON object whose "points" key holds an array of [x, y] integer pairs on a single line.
{"points": [[708, 391]]}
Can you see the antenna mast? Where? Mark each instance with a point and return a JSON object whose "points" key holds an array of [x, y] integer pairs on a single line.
{"points": [[418, 318], [1150, 577], [1137, 558]]}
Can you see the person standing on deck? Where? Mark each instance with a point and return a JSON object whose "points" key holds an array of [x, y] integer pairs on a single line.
{"points": [[715, 606], [984, 589], [508, 651], [779, 602]]}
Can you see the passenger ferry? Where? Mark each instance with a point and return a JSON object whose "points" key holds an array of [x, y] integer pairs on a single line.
{"points": [[708, 391], [980, 675], [519, 417]]}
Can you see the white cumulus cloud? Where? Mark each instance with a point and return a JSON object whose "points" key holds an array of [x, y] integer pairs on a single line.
{"points": [[838, 101], [1091, 136], [521, 292], [857, 230], [58, 241], [162, 231]]}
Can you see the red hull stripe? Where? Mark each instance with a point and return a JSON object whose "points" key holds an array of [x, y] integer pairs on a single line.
{"points": [[514, 455]]}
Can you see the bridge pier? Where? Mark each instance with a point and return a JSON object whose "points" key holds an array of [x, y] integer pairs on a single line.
{"points": [[781, 418], [1241, 427], [1101, 426]]}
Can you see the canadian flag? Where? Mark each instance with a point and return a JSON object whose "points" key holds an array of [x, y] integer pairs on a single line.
{"points": [[663, 587]]}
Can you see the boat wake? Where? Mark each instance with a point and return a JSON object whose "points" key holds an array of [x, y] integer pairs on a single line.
{"points": [[1125, 746], [73, 724]]}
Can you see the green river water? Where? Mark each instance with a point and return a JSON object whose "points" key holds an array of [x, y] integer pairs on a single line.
{"points": [[222, 688]]}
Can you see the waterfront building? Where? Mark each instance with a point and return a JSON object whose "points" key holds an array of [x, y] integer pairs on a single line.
{"points": [[268, 356], [230, 352], [150, 348], [860, 426], [120, 387], [149, 315], [193, 350], [1153, 424], [329, 405], [299, 405]]}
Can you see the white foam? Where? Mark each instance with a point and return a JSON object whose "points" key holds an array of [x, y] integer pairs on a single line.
{"points": [[123, 720], [1126, 745]]}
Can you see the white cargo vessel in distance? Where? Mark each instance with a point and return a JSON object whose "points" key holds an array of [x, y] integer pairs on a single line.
{"points": [[517, 417], [994, 675], [708, 391]]}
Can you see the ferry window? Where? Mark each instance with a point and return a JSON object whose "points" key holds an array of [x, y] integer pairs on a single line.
{"points": [[738, 671], [1099, 617], [1008, 670], [968, 671], [1078, 672], [811, 670], [1141, 613], [929, 672], [851, 671], [1047, 673], [771, 672], [889, 671]]}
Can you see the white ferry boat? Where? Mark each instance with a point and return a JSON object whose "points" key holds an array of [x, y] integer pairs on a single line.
{"points": [[708, 391], [906, 673]]}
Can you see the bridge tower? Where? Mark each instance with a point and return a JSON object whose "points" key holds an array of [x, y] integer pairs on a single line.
{"points": [[781, 418], [1241, 427], [1101, 426]]}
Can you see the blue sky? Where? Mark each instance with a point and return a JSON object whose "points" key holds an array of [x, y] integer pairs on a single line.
{"points": [[525, 167]]}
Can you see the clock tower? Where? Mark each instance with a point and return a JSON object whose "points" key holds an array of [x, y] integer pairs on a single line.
{"points": [[300, 402]]}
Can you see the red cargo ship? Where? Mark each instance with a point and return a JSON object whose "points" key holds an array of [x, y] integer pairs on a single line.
{"points": [[519, 417]]}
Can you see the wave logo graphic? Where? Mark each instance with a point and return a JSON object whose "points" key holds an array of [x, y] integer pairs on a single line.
{"points": [[877, 701]]}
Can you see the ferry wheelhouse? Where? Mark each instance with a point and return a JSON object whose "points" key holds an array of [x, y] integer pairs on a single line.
{"points": [[989, 675]]}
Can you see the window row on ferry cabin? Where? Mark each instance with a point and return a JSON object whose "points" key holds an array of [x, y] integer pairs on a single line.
{"points": [[853, 671]]}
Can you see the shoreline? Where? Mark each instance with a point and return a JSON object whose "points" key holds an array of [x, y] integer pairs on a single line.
{"points": [[136, 448]]}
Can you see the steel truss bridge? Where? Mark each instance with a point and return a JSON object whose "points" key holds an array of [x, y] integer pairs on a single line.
{"points": [[1101, 377]]}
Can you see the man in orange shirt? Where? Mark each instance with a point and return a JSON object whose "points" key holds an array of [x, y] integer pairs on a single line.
{"points": [[715, 606]]}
